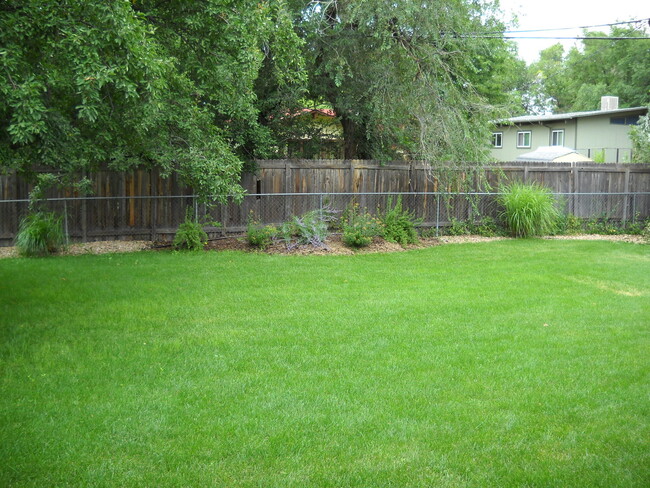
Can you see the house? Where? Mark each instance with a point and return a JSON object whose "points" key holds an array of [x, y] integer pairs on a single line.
{"points": [[601, 135], [318, 135]]}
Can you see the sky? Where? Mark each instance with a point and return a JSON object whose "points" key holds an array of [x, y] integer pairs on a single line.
{"points": [[547, 14]]}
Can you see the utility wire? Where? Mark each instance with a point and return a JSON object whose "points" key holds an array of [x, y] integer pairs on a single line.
{"points": [[576, 28], [560, 38]]}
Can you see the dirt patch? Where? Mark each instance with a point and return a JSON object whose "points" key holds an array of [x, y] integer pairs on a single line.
{"points": [[334, 245], [97, 247]]}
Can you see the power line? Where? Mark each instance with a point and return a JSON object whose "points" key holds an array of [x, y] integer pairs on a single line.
{"points": [[560, 38], [576, 28]]}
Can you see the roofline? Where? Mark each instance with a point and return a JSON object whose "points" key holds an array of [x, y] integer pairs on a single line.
{"points": [[531, 119]]}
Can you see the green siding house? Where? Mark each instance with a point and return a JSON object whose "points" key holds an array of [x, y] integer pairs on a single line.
{"points": [[602, 135]]}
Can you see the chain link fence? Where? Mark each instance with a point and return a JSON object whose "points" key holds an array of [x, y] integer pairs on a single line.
{"points": [[156, 218]]}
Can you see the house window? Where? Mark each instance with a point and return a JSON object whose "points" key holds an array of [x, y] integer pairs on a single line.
{"points": [[497, 139], [557, 137], [523, 138], [630, 120]]}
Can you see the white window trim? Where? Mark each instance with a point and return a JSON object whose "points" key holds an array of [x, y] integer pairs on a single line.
{"points": [[530, 139], [500, 140], [558, 131]]}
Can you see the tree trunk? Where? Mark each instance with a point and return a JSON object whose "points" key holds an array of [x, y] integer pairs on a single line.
{"points": [[355, 141]]}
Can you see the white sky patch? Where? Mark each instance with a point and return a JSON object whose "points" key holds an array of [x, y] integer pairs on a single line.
{"points": [[552, 14]]}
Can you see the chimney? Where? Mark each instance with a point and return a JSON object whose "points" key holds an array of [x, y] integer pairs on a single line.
{"points": [[608, 103]]}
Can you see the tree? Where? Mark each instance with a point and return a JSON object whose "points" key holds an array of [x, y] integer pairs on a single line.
{"points": [[576, 81], [406, 78], [640, 136], [118, 83]]}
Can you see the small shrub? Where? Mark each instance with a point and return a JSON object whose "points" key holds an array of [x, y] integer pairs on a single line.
{"points": [[310, 228], [399, 224], [529, 210], [40, 234], [487, 227], [569, 224], [645, 233], [429, 232], [190, 235], [602, 226], [635, 226], [260, 236], [359, 228], [458, 228]]}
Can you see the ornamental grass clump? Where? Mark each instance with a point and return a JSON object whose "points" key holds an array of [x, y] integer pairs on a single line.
{"points": [[40, 234], [529, 210]]}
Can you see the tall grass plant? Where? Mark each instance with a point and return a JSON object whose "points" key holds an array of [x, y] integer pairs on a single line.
{"points": [[40, 234], [528, 210]]}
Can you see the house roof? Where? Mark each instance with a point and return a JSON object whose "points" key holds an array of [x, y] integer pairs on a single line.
{"points": [[531, 119], [553, 154]]}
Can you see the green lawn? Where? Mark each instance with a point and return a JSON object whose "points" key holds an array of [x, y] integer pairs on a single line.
{"points": [[512, 363]]}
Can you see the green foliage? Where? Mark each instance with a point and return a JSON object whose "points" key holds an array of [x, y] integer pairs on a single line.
{"points": [[602, 226], [575, 81], [359, 227], [401, 85], [312, 228], [640, 137], [458, 228], [645, 233], [529, 210], [399, 225], [258, 235], [485, 227], [569, 224], [40, 234], [164, 84], [599, 157], [191, 235]]}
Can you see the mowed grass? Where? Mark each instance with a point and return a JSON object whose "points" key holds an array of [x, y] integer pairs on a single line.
{"points": [[512, 363]]}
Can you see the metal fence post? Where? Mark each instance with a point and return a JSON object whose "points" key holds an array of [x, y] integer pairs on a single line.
{"points": [[65, 221], [437, 214]]}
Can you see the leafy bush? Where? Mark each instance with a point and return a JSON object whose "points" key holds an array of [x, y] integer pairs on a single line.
{"points": [[359, 228], [40, 234], [529, 210], [310, 228], [645, 233], [458, 228], [190, 235], [635, 226], [399, 224], [569, 224], [258, 235], [487, 227], [602, 226]]}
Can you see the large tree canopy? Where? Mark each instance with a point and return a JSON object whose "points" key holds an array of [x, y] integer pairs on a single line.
{"points": [[168, 84], [406, 77], [195, 88], [575, 81]]}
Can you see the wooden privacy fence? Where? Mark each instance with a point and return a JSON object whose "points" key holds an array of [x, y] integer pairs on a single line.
{"points": [[142, 205]]}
